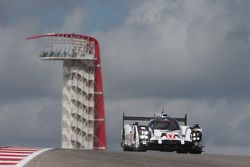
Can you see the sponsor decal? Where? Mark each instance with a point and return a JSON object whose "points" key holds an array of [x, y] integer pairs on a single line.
{"points": [[170, 136]]}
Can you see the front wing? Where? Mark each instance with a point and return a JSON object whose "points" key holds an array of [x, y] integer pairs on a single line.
{"points": [[170, 145]]}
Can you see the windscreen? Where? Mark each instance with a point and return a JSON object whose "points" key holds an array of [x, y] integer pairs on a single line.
{"points": [[165, 124]]}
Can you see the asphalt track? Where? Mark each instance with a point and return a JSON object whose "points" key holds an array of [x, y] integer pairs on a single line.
{"points": [[72, 158]]}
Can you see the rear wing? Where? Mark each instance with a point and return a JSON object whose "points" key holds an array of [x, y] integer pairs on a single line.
{"points": [[184, 119], [134, 118]]}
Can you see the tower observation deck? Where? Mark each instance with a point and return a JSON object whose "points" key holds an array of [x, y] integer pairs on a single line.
{"points": [[83, 124]]}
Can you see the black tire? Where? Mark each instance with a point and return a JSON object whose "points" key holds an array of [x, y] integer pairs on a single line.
{"points": [[182, 151], [127, 149], [197, 151], [141, 150]]}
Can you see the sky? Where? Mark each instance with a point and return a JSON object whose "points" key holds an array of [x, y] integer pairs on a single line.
{"points": [[186, 56]]}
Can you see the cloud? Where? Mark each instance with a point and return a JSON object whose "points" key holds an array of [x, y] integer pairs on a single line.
{"points": [[74, 21], [152, 16], [31, 122], [20, 65], [2, 14], [189, 56], [38, 4], [30, 88], [192, 53]]}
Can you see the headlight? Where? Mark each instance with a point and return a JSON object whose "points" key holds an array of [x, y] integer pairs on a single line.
{"points": [[196, 136], [143, 137], [144, 132]]}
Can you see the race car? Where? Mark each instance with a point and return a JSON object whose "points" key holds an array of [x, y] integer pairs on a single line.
{"points": [[162, 133]]}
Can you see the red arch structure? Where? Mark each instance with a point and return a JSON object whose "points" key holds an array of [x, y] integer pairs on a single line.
{"points": [[99, 114]]}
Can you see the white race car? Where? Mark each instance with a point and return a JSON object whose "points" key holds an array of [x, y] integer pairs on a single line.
{"points": [[162, 133]]}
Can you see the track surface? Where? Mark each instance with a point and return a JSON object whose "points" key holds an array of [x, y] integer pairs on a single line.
{"points": [[72, 158]]}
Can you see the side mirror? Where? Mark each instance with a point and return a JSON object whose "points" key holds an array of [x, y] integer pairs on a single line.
{"points": [[136, 123], [196, 126]]}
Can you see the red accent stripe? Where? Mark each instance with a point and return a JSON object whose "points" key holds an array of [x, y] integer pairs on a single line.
{"points": [[19, 149], [99, 126], [14, 155], [65, 36], [17, 152], [10, 159], [10, 156], [8, 163]]}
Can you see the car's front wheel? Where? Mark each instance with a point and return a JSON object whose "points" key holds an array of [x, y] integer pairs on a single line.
{"points": [[195, 151]]}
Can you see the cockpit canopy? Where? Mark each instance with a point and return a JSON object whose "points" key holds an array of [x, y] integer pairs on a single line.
{"points": [[164, 124]]}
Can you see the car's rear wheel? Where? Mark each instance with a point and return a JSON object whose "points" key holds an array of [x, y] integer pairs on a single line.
{"points": [[127, 149]]}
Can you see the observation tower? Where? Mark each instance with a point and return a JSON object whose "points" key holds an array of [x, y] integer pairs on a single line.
{"points": [[83, 124]]}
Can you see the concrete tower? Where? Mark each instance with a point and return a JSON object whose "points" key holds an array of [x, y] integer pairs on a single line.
{"points": [[83, 124]]}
